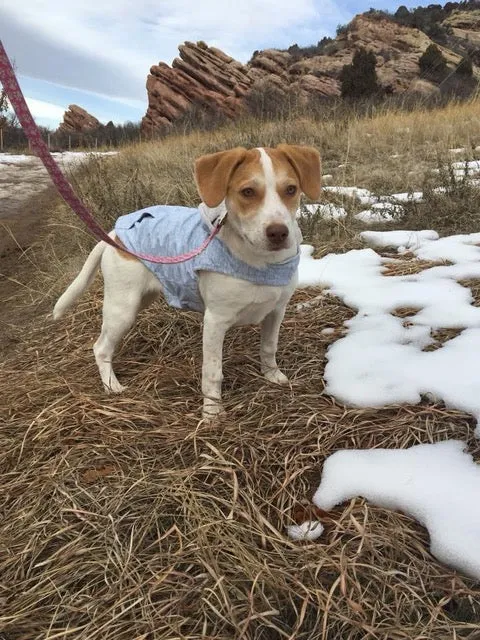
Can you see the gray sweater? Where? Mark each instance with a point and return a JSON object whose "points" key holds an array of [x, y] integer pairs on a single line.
{"points": [[172, 231]]}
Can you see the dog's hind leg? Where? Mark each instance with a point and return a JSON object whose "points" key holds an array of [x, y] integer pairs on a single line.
{"points": [[128, 285], [119, 314]]}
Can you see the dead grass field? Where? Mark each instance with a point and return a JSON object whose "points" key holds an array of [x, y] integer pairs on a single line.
{"points": [[125, 518]]}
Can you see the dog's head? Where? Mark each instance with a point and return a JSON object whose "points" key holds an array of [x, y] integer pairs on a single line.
{"points": [[261, 189]]}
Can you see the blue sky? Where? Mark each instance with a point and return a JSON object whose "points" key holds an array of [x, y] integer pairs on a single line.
{"points": [[97, 53]]}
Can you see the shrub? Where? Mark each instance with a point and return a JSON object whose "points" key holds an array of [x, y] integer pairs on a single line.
{"points": [[359, 79], [433, 65], [465, 67]]}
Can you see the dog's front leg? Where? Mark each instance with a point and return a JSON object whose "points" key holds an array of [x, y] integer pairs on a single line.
{"points": [[268, 346], [212, 371]]}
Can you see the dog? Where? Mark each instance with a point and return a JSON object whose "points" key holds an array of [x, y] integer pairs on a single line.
{"points": [[246, 275]]}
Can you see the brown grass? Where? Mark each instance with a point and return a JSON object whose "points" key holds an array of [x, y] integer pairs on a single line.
{"points": [[126, 518], [474, 286], [409, 265]]}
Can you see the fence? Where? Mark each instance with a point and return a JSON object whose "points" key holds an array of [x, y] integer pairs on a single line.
{"points": [[12, 138]]}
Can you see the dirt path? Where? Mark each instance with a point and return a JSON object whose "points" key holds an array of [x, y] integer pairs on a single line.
{"points": [[25, 193], [19, 181], [23, 188]]}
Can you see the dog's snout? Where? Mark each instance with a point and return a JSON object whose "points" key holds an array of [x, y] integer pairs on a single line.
{"points": [[277, 233]]}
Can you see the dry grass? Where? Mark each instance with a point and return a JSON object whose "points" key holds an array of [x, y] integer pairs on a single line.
{"points": [[474, 286], [408, 265], [125, 518], [392, 152]]}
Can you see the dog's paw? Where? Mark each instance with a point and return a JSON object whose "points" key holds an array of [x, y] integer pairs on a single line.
{"points": [[212, 410], [276, 376], [114, 387]]}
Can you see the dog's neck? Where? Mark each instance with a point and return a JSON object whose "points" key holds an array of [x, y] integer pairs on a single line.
{"points": [[240, 248]]}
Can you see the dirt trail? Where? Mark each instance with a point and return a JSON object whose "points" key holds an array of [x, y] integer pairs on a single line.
{"points": [[19, 218], [23, 186]]}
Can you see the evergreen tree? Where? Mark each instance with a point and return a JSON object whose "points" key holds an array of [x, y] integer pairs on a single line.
{"points": [[359, 79], [432, 63]]}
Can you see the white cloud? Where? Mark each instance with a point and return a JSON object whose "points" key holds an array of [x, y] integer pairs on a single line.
{"points": [[81, 40], [45, 110]]}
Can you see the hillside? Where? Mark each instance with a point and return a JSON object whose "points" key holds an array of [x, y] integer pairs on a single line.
{"points": [[206, 77]]}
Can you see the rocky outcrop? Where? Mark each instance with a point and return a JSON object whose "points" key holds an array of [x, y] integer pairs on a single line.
{"points": [[205, 76], [465, 25], [77, 120], [397, 50], [201, 75]]}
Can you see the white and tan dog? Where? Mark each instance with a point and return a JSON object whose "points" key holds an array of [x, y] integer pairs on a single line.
{"points": [[261, 190]]}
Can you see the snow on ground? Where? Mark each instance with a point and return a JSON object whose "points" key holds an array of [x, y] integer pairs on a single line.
{"points": [[468, 168], [380, 212], [326, 211], [414, 196], [10, 158], [385, 208], [381, 360], [363, 195], [66, 157], [397, 239], [437, 484]]}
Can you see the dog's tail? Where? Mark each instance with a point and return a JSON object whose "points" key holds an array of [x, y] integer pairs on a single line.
{"points": [[81, 282]]}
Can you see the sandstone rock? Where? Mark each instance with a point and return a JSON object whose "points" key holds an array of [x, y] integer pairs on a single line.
{"points": [[322, 86], [77, 120], [272, 61], [206, 76], [201, 75]]}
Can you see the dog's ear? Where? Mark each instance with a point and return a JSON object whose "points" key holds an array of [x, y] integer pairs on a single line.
{"points": [[307, 165], [213, 173]]}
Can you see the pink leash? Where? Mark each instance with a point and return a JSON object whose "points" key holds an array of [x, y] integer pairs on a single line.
{"points": [[17, 100]]}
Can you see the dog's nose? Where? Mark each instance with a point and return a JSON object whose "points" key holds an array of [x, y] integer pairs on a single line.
{"points": [[277, 233]]}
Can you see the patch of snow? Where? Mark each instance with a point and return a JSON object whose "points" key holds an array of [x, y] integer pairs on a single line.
{"points": [[396, 239], [363, 195], [65, 157], [381, 359], [326, 211], [11, 158], [415, 196], [470, 166], [459, 248], [308, 530], [380, 212], [70, 157], [437, 484]]}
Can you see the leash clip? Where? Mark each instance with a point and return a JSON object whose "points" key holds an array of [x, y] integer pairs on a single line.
{"points": [[221, 220]]}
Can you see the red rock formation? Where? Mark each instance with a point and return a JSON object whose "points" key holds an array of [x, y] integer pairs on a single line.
{"points": [[202, 76], [77, 120], [207, 77]]}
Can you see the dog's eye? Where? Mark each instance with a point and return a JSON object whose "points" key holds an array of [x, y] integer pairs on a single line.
{"points": [[248, 192], [291, 190]]}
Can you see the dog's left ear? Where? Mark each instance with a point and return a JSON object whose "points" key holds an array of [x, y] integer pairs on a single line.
{"points": [[213, 173], [308, 167]]}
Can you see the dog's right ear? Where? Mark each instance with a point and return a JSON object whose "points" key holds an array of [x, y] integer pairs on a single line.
{"points": [[213, 173]]}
